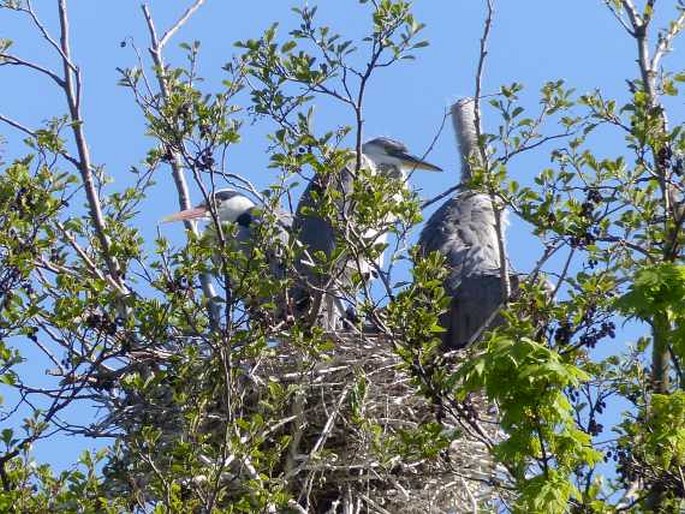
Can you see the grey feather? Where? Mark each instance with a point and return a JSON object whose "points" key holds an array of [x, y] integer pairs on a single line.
{"points": [[324, 294], [463, 230], [317, 234], [393, 146]]}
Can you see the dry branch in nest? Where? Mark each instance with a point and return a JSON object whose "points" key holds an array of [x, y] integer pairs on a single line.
{"points": [[354, 409], [361, 437]]}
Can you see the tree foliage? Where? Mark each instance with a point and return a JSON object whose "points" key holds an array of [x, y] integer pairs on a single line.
{"points": [[206, 382]]}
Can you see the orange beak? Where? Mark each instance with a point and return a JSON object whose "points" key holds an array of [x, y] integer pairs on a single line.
{"points": [[188, 214]]}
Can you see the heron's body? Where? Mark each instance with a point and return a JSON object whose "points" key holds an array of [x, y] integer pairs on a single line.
{"points": [[318, 237], [324, 293], [240, 218], [464, 230]]}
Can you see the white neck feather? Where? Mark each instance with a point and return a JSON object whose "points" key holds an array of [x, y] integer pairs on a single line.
{"points": [[233, 208]]}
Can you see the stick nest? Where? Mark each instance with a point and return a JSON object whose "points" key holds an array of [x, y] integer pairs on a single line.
{"points": [[361, 402], [360, 436]]}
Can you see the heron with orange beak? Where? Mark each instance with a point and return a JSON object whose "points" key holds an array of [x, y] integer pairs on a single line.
{"points": [[234, 209]]}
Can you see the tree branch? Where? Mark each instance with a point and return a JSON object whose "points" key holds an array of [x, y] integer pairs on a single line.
{"points": [[176, 166], [176, 163], [13, 60], [666, 39], [479, 75], [618, 17], [72, 93], [46, 35], [22, 128], [181, 21]]}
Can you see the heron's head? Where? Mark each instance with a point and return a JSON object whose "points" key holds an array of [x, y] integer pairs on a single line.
{"points": [[391, 156], [231, 206]]}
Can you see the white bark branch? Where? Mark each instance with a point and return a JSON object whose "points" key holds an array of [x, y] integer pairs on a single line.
{"points": [[72, 92], [176, 162], [181, 21], [479, 73]]}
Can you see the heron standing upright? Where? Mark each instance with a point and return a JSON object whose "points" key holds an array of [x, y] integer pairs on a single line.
{"points": [[322, 295], [464, 230], [232, 207]]}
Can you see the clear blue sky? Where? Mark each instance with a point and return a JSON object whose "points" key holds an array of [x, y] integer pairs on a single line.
{"points": [[532, 42]]}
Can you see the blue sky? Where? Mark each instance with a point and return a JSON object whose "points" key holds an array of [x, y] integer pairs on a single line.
{"points": [[532, 42]]}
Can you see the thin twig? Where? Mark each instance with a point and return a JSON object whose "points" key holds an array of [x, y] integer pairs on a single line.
{"points": [[181, 21], [453, 189], [22, 128], [562, 277], [13, 60], [17, 125], [479, 74], [46, 35]]}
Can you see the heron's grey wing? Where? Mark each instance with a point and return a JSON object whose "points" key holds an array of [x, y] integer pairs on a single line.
{"points": [[315, 235], [476, 300], [463, 230]]}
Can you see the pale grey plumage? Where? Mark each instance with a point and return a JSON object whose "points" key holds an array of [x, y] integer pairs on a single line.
{"points": [[463, 230], [232, 207], [324, 293]]}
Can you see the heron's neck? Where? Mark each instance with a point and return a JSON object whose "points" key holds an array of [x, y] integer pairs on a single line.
{"points": [[232, 209], [394, 171]]}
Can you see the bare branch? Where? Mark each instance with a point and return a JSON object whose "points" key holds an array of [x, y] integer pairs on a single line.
{"points": [[666, 39], [13, 60], [442, 195], [524, 148], [619, 18], [176, 166], [479, 73], [46, 35], [176, 162], [181, 21], [633, 14], [17, 125], [72, 93]]}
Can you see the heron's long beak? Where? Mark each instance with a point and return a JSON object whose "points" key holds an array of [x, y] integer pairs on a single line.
{"points": [[188, 214], [412, 162]]}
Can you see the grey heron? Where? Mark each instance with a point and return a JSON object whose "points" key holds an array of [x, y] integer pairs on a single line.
{"points": [[322, 295], [232, 207], [463, 229]]}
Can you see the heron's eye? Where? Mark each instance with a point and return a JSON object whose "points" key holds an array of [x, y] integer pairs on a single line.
{"points": [[225, 194]]}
